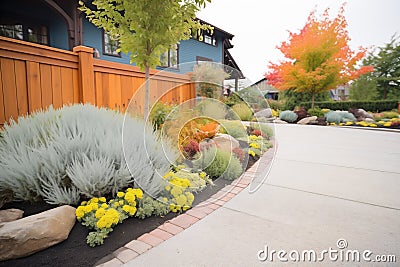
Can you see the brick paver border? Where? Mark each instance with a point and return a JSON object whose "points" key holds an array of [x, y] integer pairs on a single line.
{"points": [[183, 221]]}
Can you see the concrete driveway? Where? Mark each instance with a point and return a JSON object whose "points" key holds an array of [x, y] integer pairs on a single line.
{"points": [[327, 185]]}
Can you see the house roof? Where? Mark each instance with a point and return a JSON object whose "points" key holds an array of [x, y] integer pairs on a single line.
{"points": [[229, 61], [227, 34], [260, 81]]}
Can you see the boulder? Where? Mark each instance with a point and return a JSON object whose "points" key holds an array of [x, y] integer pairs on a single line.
{"points": [[264, 113], [279, 121], [301, 113], [10, 215], [226, 142], [28, 235], [369, 120], [307, 120], [360, 114]]}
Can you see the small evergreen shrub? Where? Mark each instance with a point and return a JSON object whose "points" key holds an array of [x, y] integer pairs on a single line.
{"points": [[80, 151], [316, 112], [288, 116], [333, 117], [159, 113], [234, 128], [243, 111], [218, 163], [339, 117]]}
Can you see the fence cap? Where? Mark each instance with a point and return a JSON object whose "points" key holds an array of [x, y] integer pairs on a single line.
{"points": [[82, 48]]}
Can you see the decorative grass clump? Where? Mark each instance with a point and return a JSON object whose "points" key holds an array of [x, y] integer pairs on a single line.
{"points": [[339, 117], [243, 111], [80, 151], [218, 163]]}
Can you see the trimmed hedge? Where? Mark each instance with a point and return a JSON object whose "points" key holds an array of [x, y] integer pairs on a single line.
{"points": [[374, 106]]}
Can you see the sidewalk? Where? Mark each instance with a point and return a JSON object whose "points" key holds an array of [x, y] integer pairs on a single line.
{"points": [[326, 184]]}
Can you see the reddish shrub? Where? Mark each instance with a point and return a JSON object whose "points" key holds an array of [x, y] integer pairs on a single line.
{"points": [[190, 149], [257, 132], [239, 153]]}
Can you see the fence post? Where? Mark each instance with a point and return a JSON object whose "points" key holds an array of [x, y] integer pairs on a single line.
{"points": [[86, 74]]}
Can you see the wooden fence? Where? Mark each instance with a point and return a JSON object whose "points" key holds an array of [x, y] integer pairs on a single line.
{"points": [[34, 76]]}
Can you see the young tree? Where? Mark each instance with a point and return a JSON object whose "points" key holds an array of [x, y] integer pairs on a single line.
{"points": [[318, 58], [364, 88], [386, 62], [146, 29]]}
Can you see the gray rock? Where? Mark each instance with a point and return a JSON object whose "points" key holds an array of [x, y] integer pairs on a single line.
{"points": [[279, 121], [365, 114], [307, 120], [225, 142], [10, 215], [34, 233], [264, 113], [369, 120]]}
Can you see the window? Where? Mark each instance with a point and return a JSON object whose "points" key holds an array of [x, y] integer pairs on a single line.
{"points": [[25, 31], [200, 60], [210, 40], [170, 58], [207, 38], [110, 45]]}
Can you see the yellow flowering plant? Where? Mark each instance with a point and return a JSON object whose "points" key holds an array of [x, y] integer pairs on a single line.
{"points": [[258, 145], [181, 183], [102, 216]]}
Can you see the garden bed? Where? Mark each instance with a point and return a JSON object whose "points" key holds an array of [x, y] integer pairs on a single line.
{"points": [[76, 252]]}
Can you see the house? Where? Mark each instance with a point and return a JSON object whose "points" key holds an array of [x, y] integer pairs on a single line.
{"points": [[339, 93], [268, 91], [51, 55], [59, 24]]}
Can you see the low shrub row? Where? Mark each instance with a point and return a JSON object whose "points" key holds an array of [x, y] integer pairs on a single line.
{"points": [[374, 106]]}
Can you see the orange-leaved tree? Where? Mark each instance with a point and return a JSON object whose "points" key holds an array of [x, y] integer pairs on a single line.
{"points": [[318, 58]]}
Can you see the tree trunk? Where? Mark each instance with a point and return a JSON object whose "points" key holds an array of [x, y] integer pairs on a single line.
{"points": [[146, 93], [312, 100]]}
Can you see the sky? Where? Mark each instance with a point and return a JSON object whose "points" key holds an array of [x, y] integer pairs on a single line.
{"points": [[260, 25]]}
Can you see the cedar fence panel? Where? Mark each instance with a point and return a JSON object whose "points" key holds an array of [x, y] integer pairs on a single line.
{"points": [[34, 76]]}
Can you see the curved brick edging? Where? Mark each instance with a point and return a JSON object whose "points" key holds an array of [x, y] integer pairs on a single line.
{"points": [[183, 221]]}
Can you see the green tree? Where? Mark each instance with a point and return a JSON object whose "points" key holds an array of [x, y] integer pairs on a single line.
{"points": [[364, 88], [146, 29], [386, 62]]}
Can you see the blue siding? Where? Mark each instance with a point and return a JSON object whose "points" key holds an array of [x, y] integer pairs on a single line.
{"points": [[92, 36], [58, 33], [190, 49]]}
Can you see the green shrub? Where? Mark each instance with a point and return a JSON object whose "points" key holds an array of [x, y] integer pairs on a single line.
{"points": [[374, 106], [288, 116], [233, 99], [390, 115], [316, 112], [159, 113], [242, 111], [76, 151], [276, 104], [212, 108], [235, 128], [218, 163], [294, 99]]}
